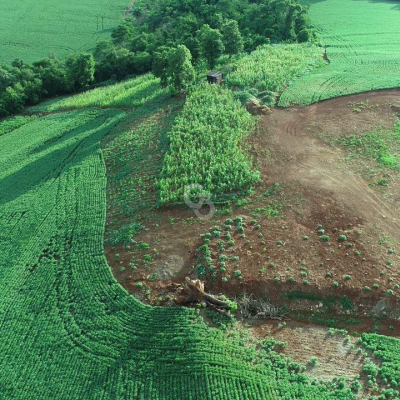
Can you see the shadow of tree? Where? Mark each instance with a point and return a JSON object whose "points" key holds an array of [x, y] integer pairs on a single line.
{"points": [[55, 156]]}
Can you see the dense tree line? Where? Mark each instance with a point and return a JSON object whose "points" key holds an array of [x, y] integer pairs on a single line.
{"points": [[26, 84], [167, 37], [207, 28]]}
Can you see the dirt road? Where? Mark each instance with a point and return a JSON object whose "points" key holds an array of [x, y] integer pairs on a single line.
{"points": [[304, 160]]}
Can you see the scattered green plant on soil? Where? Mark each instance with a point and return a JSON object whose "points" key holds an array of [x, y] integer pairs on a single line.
{"points": [[124, 234], [312, 362], [382, 146], [272, 190]]}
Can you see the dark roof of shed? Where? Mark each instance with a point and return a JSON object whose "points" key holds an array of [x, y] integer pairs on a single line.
{"points": [[214, 73]]}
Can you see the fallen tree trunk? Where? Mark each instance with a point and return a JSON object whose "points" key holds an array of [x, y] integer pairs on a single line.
{"points": [[194, 292], [213, 300], [248, 306]]}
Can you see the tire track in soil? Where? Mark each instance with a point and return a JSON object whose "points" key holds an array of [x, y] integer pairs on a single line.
{"points": [[318, 167]]}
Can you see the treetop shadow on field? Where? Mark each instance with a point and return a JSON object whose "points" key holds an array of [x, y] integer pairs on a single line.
{"points": [[33, 174], [148, 96], [64, 136], [396, 3], [167, 351]]}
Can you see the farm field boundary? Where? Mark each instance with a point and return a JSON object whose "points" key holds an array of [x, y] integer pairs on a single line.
{"points": [[30, 30], [69, 330], [362, 45]]}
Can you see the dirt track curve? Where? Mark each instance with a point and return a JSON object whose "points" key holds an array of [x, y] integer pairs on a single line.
{"points": [[303, 159]]}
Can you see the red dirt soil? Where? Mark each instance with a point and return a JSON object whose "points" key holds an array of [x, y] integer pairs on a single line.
{"points": [[318, 186]]}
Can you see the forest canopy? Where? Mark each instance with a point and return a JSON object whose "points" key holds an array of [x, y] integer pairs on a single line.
{"points": [[160, 36], [171, 22]]}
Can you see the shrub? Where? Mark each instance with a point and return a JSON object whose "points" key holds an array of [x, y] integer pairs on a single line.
{"points": [[237, 273], [312, 362], [147, 258]]}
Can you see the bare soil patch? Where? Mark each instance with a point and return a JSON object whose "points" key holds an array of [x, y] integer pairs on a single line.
{"points": [[319, 190]]}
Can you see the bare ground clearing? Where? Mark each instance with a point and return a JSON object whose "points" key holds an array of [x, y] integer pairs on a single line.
{"points": [[319, 188]]}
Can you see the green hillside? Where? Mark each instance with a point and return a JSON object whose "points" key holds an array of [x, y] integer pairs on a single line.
{"points": [[363, 47], [114, 162], [31, 30], [69, 330]]}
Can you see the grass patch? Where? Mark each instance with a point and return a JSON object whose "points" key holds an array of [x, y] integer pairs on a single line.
{"points": [[303, 296], [382, 146], [270, 68], [331, 301], [322, 318], [134, 155], [10, 124], [142, 91]]}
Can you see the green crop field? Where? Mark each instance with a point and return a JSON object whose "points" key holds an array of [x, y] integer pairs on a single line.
{"points": [[204, 147], [267, 70], [30, 29], [112, 155], [363, 48], [131, 93]]}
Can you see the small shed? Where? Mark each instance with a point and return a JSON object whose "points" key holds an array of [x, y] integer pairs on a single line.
{"points": [[215, 77]]}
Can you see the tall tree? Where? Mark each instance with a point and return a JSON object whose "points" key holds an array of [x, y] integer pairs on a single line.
{"points": [[232, 38], [52, 72], [123, 34], [180, 71], [211, 44], [160, 64], [80, 71], [12, 100]]}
